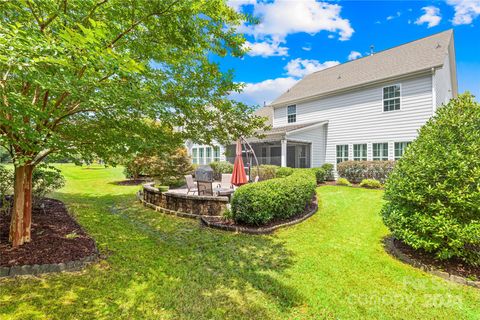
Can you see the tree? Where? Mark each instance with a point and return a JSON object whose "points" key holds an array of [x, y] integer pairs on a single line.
{"points": [[103, 78]]}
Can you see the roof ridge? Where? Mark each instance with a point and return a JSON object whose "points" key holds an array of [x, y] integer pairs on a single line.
{"points": [[382, 51]]}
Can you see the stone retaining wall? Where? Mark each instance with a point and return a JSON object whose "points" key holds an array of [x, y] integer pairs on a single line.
{"points": [[183, 204]]}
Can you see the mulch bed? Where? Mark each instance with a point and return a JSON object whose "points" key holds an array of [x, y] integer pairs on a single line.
{"points": [[131, 182], [219, 222], [56, 238], [451, 266]]}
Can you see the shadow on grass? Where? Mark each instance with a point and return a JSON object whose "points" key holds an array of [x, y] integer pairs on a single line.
{"points": [[159, 267]]}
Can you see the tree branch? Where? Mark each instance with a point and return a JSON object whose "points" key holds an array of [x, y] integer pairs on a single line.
{"points": [[45, 100], [92, 11], [135, 24], [30, 6]]}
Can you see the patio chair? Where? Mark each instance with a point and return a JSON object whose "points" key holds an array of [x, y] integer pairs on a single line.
{"points": [[205, 188], [191, 184], [226, 180]]}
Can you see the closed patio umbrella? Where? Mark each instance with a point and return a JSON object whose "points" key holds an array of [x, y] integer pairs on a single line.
{"points": [[239, 176]]}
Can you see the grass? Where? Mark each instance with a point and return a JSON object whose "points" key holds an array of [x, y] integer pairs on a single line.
{"points": [[331, 266]]}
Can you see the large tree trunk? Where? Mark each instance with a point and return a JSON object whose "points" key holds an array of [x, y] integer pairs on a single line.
{"points": [[20, 225]]}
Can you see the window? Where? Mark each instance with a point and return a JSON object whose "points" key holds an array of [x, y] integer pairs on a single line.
{"points": [[400, 148], [360, 152], [209, 154], [380, 151], [292, 114], [194, 155], [391, 98], [342, 153], [201, 153], [216, 153]]}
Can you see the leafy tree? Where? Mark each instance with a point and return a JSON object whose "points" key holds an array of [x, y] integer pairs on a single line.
{"points": [[81, 78]]}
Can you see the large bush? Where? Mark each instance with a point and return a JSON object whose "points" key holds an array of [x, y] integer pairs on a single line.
{"points": [[6, 186], [45, 180], [167, 169], [220, 167], [356, 171], [266, 172], [280, 198], [433, 194], [329, 174]]}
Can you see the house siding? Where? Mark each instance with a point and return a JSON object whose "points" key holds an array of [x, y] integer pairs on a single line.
{"points": [[190, 145], [358, 117], [443, 83]]}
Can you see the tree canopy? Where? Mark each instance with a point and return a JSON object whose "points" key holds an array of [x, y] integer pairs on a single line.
{"points": [[108, 78]]}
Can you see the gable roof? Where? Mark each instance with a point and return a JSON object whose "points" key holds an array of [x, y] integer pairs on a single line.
{"points": [[412, 57], [267, 112]]}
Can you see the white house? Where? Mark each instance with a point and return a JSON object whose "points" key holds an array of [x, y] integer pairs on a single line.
{"points": [[366, 109]]}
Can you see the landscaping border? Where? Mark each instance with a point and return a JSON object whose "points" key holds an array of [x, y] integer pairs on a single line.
{"points": [[397, 253], [261, 230], [37, 269]]}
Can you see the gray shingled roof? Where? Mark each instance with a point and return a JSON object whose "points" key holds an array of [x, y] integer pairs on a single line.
{"points": [[422, 54], [265, 112]]}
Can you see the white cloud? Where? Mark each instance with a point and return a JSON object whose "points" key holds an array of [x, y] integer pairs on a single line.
{"points": [[354, 55], [398, 14], [307, 47], [283, 17], [238, 4], [465, 11], [266, 49], [265, 91], [301, 67], [431, 17]]}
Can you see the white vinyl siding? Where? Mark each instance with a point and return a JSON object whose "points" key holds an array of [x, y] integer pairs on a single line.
{"points": [[443, 84], [357, 117], [317, 137]]}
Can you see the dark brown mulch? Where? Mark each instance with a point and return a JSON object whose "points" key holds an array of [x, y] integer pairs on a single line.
{"points": [[50, 243], [230, 223], [131, 182], [452, 266]]}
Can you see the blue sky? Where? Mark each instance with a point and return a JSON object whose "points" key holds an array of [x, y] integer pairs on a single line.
{"points": [[296, 37]]}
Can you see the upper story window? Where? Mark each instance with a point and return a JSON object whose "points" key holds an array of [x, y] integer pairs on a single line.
{"points": [[400, 148], [292, 114], [342, 153], [380, 151], [360, 152], [391, 98]]}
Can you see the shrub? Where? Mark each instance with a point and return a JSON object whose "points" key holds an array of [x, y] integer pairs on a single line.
{"points": [[320, 174], [356, 171], [6, 186], [329, 175], [167, 169], [283, 172], [433, 194], [220, 167], [280, 198], [343, 182], [45, 180], [266, 172], [371, 184]]}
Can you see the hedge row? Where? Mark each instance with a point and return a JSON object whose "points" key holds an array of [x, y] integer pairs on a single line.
{"points": [[274, 199], [356, 171]]}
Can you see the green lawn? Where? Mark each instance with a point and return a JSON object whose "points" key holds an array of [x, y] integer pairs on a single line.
{"points": [[331, 266]]}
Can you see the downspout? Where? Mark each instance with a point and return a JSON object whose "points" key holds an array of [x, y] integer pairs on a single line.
{"points": [[434, 92]]}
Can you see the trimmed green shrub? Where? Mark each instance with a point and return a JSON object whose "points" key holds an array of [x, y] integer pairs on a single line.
{"points": [[274, 199], [220, 167], [371, 184], [45, 180], [320, 174], [356, 171], [283, 172], [329, 174], [266, 172], [433, 194], [6, 187], [343, 182]]}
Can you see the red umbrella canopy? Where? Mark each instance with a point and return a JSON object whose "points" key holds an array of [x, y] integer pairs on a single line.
{"points": [[239, 176]]}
